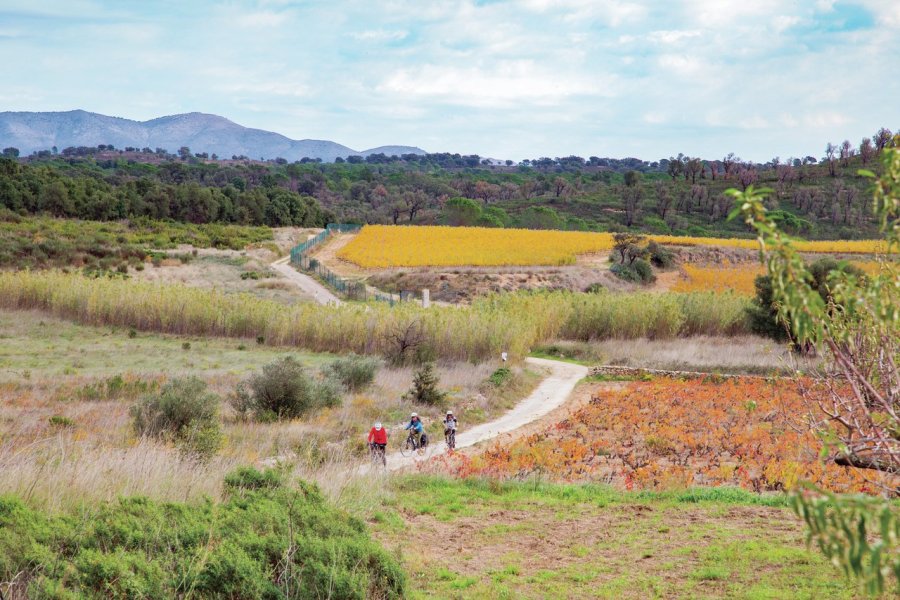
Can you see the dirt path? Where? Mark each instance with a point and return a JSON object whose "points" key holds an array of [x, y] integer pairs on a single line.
{"points": [[550, 394], [319, 292]]}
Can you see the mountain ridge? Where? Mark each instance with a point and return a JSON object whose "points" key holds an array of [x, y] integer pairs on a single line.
{"points": [[201, 132]]}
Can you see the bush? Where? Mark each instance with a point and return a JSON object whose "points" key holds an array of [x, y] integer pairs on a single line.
{"points": [[500, 376], [639, 271], [267, 535], [283, 390], [184, 412], [425, 386], [660, 256], [354, 372], [643, 270], [763, 313]]}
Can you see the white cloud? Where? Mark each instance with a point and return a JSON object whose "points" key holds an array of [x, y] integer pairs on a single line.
{"points": [[379, 35], [507, 83]]}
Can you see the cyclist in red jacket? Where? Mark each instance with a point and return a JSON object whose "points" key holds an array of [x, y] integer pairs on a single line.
{"points": [[378, 442]]}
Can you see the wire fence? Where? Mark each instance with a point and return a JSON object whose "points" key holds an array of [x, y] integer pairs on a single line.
{"points": [[353, 290]]}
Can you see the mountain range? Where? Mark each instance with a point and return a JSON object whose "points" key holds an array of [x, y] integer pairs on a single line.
{"points": [[201, 132]]}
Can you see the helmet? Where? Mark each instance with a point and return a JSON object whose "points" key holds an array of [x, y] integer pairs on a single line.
{"points": [[377, 425], [412, 416], [449, 412]]}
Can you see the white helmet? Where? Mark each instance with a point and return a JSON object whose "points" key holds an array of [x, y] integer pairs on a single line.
{"points": [[377, 425], [413, 415], [449, 412]]}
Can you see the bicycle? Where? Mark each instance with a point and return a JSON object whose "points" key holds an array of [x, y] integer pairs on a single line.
{"points": [[378, 454], [414, 444], [450, 439]]}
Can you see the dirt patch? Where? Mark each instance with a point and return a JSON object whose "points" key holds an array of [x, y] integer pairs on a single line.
{"points": [[327, 255], [462, 285]]}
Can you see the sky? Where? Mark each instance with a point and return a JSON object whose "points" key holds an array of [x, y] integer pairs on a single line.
{"points": [[499, 78]]}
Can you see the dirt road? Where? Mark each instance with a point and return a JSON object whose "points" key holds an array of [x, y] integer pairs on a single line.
{"points": [[319, 292], [551, 393]]}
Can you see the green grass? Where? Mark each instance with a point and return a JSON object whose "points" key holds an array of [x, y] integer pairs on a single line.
{"points": [[530, 539], [34, 346]]}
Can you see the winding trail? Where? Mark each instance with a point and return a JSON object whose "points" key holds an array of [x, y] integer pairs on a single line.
{"points": [[551, 393], [319, 292]]}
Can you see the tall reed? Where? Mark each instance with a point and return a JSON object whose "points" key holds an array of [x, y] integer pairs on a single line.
{"points": [[510, 322]]}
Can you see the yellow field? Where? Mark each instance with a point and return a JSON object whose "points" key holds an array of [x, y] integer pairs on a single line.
{"points": [[736, 278], [381, 246]]}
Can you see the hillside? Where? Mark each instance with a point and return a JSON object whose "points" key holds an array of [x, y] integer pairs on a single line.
{"points": [[210, 134]]}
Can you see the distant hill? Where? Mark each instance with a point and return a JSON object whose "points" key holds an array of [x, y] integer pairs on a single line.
{"points": [[32, 131]]}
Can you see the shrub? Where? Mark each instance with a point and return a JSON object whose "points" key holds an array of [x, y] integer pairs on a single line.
{"points": [[265, 538], [184, 412], [61, 421], [283, 390], [660, 256], [500, 376], [354, 372], [638, 271], [425, 386], [644, 270]]}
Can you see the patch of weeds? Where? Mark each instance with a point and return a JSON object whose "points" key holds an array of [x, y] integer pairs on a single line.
{"points": [[711, 574], [500, 376], [61, 421]]}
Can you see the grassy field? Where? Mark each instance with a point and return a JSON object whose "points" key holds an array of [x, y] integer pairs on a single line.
{"points": [[381, 246], [480, 539], [66, 390]]}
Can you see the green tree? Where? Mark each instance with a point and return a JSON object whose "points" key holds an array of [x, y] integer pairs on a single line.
{"points": [[541, 217], [425, 386], [461, 212], [857, 399]]}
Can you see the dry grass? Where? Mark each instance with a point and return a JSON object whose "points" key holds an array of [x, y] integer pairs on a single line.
{"points": [[97, 457], [741, 355]]}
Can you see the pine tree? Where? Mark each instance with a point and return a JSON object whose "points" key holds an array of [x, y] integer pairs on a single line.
{"points": [[425, 386]]}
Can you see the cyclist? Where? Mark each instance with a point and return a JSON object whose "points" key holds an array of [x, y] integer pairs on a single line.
{"points": [[415, 423], [450, 425], [378, 439]]}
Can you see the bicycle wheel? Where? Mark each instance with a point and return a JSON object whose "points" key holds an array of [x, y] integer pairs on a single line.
{"points": [[451, 440], [408, 448]]}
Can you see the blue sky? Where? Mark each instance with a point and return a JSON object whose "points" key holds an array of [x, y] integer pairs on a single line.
{"points": [[500, 78]]}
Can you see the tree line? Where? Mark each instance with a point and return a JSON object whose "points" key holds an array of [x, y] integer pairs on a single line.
{"points": [[680, 195]]}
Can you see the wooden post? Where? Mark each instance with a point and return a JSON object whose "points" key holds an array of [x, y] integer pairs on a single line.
{"points": [[426, 299]]}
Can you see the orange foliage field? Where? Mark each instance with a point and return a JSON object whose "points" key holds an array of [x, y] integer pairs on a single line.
{"points": [[668, 433]]}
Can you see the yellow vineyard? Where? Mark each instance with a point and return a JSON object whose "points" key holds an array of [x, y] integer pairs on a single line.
{"points": [[382, 246], [734, 278]]}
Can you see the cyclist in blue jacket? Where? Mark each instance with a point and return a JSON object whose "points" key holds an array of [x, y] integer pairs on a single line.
{"points": [[415, 423]]}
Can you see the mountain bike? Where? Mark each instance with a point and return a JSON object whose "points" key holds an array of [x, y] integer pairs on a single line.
{"points": [[378, 454], [450, 438], [414, 444]]}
